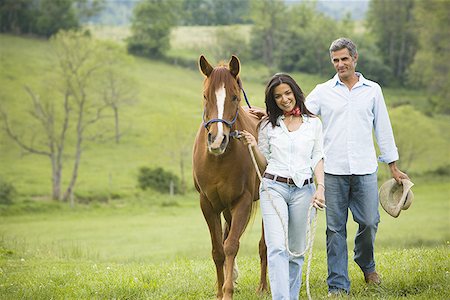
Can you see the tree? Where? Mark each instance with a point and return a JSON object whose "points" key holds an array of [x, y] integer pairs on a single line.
{"points": [[65, 122], [150, 26], [118, 89], [45, 17], [392, 24], [268, 17], [307, 37], [431, 66], [16, 16], [215, 12]]}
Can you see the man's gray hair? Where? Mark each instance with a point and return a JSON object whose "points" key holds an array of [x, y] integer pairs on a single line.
{"points": [[342, 43]]}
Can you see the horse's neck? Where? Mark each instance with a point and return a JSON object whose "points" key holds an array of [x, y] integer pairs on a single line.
{"points": [[246, 121]]}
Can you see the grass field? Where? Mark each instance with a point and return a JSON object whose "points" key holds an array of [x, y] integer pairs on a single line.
{"points": [[159, 248], [144, 245]]}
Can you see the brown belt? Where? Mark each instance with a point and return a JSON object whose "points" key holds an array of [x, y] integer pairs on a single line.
{"points": [[285, 180]]}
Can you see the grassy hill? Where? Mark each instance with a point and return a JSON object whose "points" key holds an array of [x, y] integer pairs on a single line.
{"points": [[159, 126]]}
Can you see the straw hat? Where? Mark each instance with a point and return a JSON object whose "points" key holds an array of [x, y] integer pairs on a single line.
{"points": [[395, 197]]}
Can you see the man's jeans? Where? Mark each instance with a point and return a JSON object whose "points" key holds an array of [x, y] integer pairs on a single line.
{"points": [[360, 194], [292, 203]]}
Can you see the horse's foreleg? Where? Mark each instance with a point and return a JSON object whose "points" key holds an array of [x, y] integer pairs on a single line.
{"points": [[226, 230], [240, 216], [263, 259], [215, 230]]}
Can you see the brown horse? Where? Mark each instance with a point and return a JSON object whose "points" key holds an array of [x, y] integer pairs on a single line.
{"points": [[223, 171]]}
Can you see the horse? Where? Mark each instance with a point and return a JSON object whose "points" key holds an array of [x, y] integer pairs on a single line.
{"points": [[223, 171]]}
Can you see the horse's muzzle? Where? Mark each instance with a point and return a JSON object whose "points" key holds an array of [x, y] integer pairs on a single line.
{"points": [[217, 144]]}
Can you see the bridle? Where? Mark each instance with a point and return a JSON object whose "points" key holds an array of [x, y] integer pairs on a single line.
{"points": [[228, 123], [206, 124]]}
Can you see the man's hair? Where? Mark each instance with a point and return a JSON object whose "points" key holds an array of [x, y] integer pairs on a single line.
{"points": [[342, 43]]}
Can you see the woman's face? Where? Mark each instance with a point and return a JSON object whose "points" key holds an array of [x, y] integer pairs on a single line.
{"points": [[284, 97]]}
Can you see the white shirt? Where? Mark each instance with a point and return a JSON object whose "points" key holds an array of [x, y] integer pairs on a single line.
{"points": [[348, 117], [292, 154]]}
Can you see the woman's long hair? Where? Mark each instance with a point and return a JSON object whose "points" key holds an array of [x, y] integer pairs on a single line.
{"points": [[272, 109]]}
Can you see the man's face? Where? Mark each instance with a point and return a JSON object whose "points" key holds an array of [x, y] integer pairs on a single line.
{"points": [[344, 63]]}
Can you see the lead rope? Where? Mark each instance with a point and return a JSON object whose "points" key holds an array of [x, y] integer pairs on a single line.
{"points": [[310, 234]]}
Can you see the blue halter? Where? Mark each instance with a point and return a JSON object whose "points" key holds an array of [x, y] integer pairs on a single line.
{"points": [[228, 123]]}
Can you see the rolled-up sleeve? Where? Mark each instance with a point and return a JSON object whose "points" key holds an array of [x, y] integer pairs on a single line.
{"points": [[317, 152], [263, 140]]}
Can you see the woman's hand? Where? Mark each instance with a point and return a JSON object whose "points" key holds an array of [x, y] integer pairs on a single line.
{"points": [[248, 138], [318, 199], [257, 112]]}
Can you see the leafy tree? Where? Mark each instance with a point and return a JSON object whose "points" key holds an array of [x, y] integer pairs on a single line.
{"points": [[16, 16], [304, 45], [370, 61], [45, 17], [431, 66], [151, 25], [215, 12], [392, 24], [268, 17], [55, 15]]}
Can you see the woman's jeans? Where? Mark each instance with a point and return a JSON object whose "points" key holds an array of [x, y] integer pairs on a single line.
{"points": [[359, 193], [292, 203]]}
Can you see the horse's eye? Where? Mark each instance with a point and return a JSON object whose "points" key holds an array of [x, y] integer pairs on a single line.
{"points": [[235, 98]]}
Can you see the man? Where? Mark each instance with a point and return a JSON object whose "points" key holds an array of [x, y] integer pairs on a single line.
{"points": [[350, 107]]}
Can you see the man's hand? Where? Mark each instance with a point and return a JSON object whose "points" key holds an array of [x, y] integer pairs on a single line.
{"points": [[396, 173]]}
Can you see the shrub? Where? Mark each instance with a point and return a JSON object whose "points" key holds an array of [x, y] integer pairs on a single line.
{"points": [[159, 180], [7, 192]]}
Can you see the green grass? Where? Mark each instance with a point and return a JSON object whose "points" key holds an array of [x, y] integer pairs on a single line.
{"points": [[154, 247], [412, 273]]}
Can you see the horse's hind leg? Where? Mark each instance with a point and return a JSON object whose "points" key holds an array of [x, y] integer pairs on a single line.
{"points": [[240, 215], [263, 259], [215, 230]]}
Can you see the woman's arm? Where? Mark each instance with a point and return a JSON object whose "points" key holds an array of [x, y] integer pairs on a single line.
{"points": [[319, 196], [249, 139]]}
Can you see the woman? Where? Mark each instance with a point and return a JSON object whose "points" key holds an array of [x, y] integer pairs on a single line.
{"points": [[289, 148]]}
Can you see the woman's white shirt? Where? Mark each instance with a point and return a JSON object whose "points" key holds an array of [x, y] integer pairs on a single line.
{"points": [[292, 154]]}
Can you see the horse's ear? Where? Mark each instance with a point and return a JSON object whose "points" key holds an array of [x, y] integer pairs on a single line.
{"points": [[204, 66], [235, 66]]}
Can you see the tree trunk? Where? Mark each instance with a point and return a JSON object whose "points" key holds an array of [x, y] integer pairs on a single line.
{"points": [[68, 195], [116, 122], [56, 179]]}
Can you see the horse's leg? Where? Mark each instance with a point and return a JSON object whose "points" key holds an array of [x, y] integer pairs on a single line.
{"points": [[215, 230], [226, 230], [240, 214], [263, 259]]}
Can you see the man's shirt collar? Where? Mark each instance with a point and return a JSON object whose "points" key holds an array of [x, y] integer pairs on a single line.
{"points": [[361, 81]]}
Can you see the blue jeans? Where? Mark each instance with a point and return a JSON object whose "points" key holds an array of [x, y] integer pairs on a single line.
{"points": [[292, 203], [359, 193]]}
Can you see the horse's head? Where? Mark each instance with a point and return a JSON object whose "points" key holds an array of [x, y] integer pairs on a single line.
{"points": [[222, 96]]}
